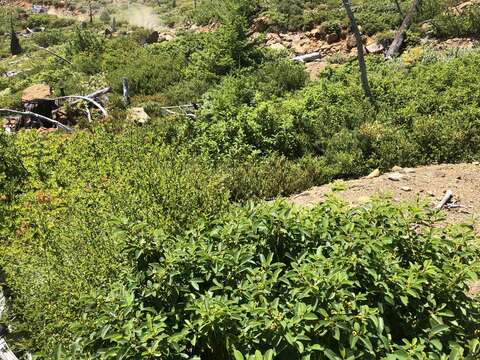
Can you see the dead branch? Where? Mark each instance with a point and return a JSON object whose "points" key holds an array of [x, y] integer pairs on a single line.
{"points": [[38, 116], [307, 57], [54, 54], [85, 98], [446, 199], [397, 43], [94, 95]]}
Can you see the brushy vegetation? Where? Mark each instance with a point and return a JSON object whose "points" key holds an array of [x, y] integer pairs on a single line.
{"points": [[291, 284], [141, 241]]}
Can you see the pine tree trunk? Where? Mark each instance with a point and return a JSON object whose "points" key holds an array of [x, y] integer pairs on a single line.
{"points": [[360, 50]]}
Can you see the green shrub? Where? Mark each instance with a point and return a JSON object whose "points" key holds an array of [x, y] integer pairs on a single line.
{"points": [[62, 245], [458, 25], [303, 284], [50, 38]]}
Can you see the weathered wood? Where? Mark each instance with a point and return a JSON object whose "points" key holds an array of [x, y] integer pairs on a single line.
{"points": [[126, 91], [93, 95], [360, 50], [397, 43], [307, 57], [38, 116], [446, 199], [87, 99]]}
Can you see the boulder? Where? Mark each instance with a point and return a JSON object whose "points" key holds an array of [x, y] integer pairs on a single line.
{"points": [[375, 48], [138, 115], [332, 38], [34, 92]]}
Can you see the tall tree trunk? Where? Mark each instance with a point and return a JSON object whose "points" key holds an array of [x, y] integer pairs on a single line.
{"points": [[361, 54], [397, 43]]}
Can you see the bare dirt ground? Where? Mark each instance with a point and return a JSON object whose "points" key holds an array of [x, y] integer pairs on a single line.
{"points": [[427, 184]]}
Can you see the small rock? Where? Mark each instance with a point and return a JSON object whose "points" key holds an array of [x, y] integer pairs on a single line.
{"points": [[375, 48], [431, 193], [476, 163], [409, 171], [406, 189], [374, 174], [397, 168], [138, 115], [332, 38], [395, 176]]}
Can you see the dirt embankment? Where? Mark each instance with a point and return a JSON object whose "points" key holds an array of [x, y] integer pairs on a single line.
{"points": [[427, 184]]}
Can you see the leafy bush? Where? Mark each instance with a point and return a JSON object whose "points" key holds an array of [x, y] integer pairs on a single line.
{"points": [[61, 243], [296, 284], [12, 172]]}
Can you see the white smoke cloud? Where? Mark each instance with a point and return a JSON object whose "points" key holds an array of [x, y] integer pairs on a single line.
{"points": [[141, 15]]}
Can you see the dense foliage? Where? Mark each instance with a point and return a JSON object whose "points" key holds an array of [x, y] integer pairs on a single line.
{"points": [[133, 241], [318, 284]]}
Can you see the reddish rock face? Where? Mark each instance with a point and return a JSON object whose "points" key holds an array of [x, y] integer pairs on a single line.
{"points": [[34, 92]]}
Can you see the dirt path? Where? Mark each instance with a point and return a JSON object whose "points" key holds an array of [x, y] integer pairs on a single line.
{"points": [[424, 183]]}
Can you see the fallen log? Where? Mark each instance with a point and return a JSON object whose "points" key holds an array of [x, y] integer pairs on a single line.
{"points": [[38, 116], [307, 57], [397, 43], [446, 199]]}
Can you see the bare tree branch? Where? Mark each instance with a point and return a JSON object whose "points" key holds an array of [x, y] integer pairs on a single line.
{"points": [[38, 116]]}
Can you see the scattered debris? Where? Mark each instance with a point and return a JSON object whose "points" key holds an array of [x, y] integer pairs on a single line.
{"points": [[39, 9], [41, 111]]}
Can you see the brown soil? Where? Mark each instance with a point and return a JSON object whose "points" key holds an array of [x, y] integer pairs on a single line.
{"points": [[427, 184]]}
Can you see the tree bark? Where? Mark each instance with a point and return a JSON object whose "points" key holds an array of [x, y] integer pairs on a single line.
{"points": [[360, 50], [397, 43]]}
